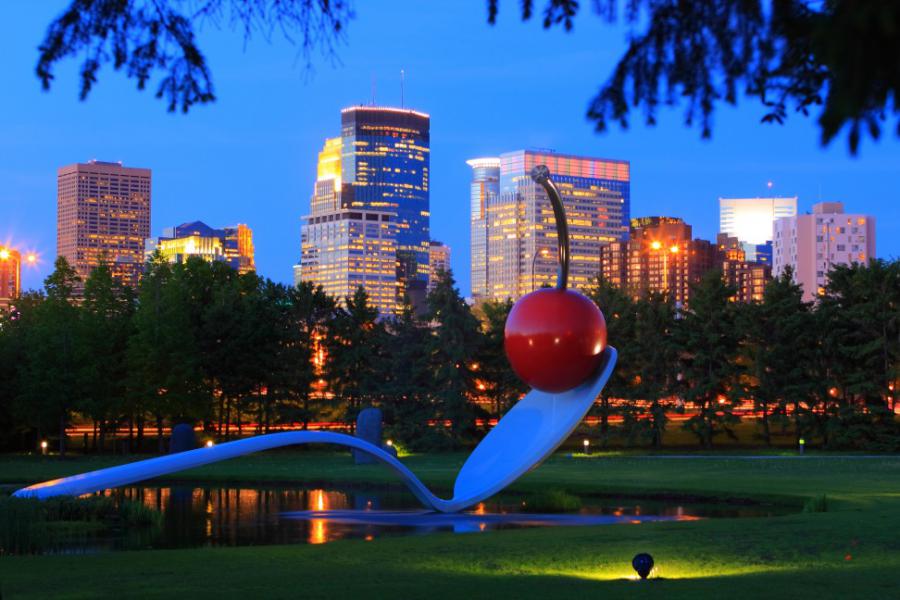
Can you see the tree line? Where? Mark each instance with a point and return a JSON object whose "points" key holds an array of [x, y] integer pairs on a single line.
{"points": [[239, 354]]}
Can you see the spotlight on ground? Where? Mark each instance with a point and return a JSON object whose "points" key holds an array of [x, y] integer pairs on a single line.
{"points": [[643, 564]]}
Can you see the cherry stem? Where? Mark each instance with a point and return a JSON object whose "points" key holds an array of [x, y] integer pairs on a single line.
{"points": [[541, 174]]}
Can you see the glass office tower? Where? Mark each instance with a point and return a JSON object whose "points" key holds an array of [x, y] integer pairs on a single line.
{"points": [[521, 230], [385, 156], [485, 187]]}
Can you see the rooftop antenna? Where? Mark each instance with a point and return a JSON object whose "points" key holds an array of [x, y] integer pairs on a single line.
{"points": [[374, 87], [401, 89]]}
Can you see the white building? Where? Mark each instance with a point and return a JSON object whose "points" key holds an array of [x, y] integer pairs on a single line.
{"points": [[813, 244], [750, 220]]}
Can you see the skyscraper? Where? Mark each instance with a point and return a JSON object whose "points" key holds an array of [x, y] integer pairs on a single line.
{"points": [[520, 228], [484, 189], [750, 220], [103, 213], [233, 245], [370, 207], [660, 257], [813, 244], [10, 276], [347, 249], [385, 160], [439, 260]]}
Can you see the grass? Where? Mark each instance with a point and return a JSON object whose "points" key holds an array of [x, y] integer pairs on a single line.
{"points": [[844, 545]]}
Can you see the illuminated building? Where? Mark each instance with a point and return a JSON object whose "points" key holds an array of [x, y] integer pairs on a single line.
{"points": [[438, 260], [748, 278], [484, 189], [520, 227], [297, 271], [10, 276], [751, 219], [233, 245], [660, 257], [103, 213], [385, 158], [813, 244], [372, 182], [345, 249]]}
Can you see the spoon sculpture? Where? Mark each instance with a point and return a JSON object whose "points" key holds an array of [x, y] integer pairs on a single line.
{"points": [[562, 353]]}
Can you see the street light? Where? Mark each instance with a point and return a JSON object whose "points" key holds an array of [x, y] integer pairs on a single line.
{"points": [[543, 252], [587, 446], [43, 446], [31, 259]]}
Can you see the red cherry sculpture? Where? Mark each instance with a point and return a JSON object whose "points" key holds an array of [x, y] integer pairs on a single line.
{"points": [[555, 338]]}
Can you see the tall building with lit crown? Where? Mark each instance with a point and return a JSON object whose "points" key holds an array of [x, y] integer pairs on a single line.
{"points": [[10, 276], [344, 246], [233, 245], [439, 261], [369, 218], [813, 244], [385, 162], [659, 257], [484, 190], [520, 228], [103, 213], [751, 220]]}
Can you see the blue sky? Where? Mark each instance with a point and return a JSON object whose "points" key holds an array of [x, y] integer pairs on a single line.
{"points": [[250, 157]]}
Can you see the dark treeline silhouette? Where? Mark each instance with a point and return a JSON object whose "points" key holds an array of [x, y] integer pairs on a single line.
{"points": [[239, 354]]}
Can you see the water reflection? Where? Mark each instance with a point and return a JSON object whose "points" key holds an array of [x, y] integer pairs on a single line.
{"points": [[196, 516]]}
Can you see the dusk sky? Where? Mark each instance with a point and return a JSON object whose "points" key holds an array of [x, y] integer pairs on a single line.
{"points": [[251, 156]]}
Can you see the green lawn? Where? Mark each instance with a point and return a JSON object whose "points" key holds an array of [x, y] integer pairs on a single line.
{"points": [[850, 551]]}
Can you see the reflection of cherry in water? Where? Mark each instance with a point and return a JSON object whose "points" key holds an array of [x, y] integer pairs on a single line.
{"points": [[555, 338]]}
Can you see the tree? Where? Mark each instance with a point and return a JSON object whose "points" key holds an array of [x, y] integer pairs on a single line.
{"points": [[302, 324], [655, 362], [408, 404], [52, 369], [164, 358], [356, 362], [619, 311], [707, 337], [107, 314], [862, 306], [841, 55], [146, 37], [776, 356], [500, 383], [455, 339]]}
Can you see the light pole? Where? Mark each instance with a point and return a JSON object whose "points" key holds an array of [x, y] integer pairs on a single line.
{"points": [[543, 252]]}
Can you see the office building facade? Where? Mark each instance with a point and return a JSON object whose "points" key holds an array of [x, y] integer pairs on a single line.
{"points": [[10, 276], [347, 249], [519, 226], [232, 245], [751, 220], [103, 214], [659, 257], [439, 261], [376, 172], [385, 164], [748, 278], [484, 190], [812, 244]]}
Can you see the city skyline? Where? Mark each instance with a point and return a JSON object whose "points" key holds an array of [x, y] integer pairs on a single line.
{"points": [[206, 159]]}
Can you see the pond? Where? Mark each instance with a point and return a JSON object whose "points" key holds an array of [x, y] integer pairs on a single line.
{"points": [[204, 515]]}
